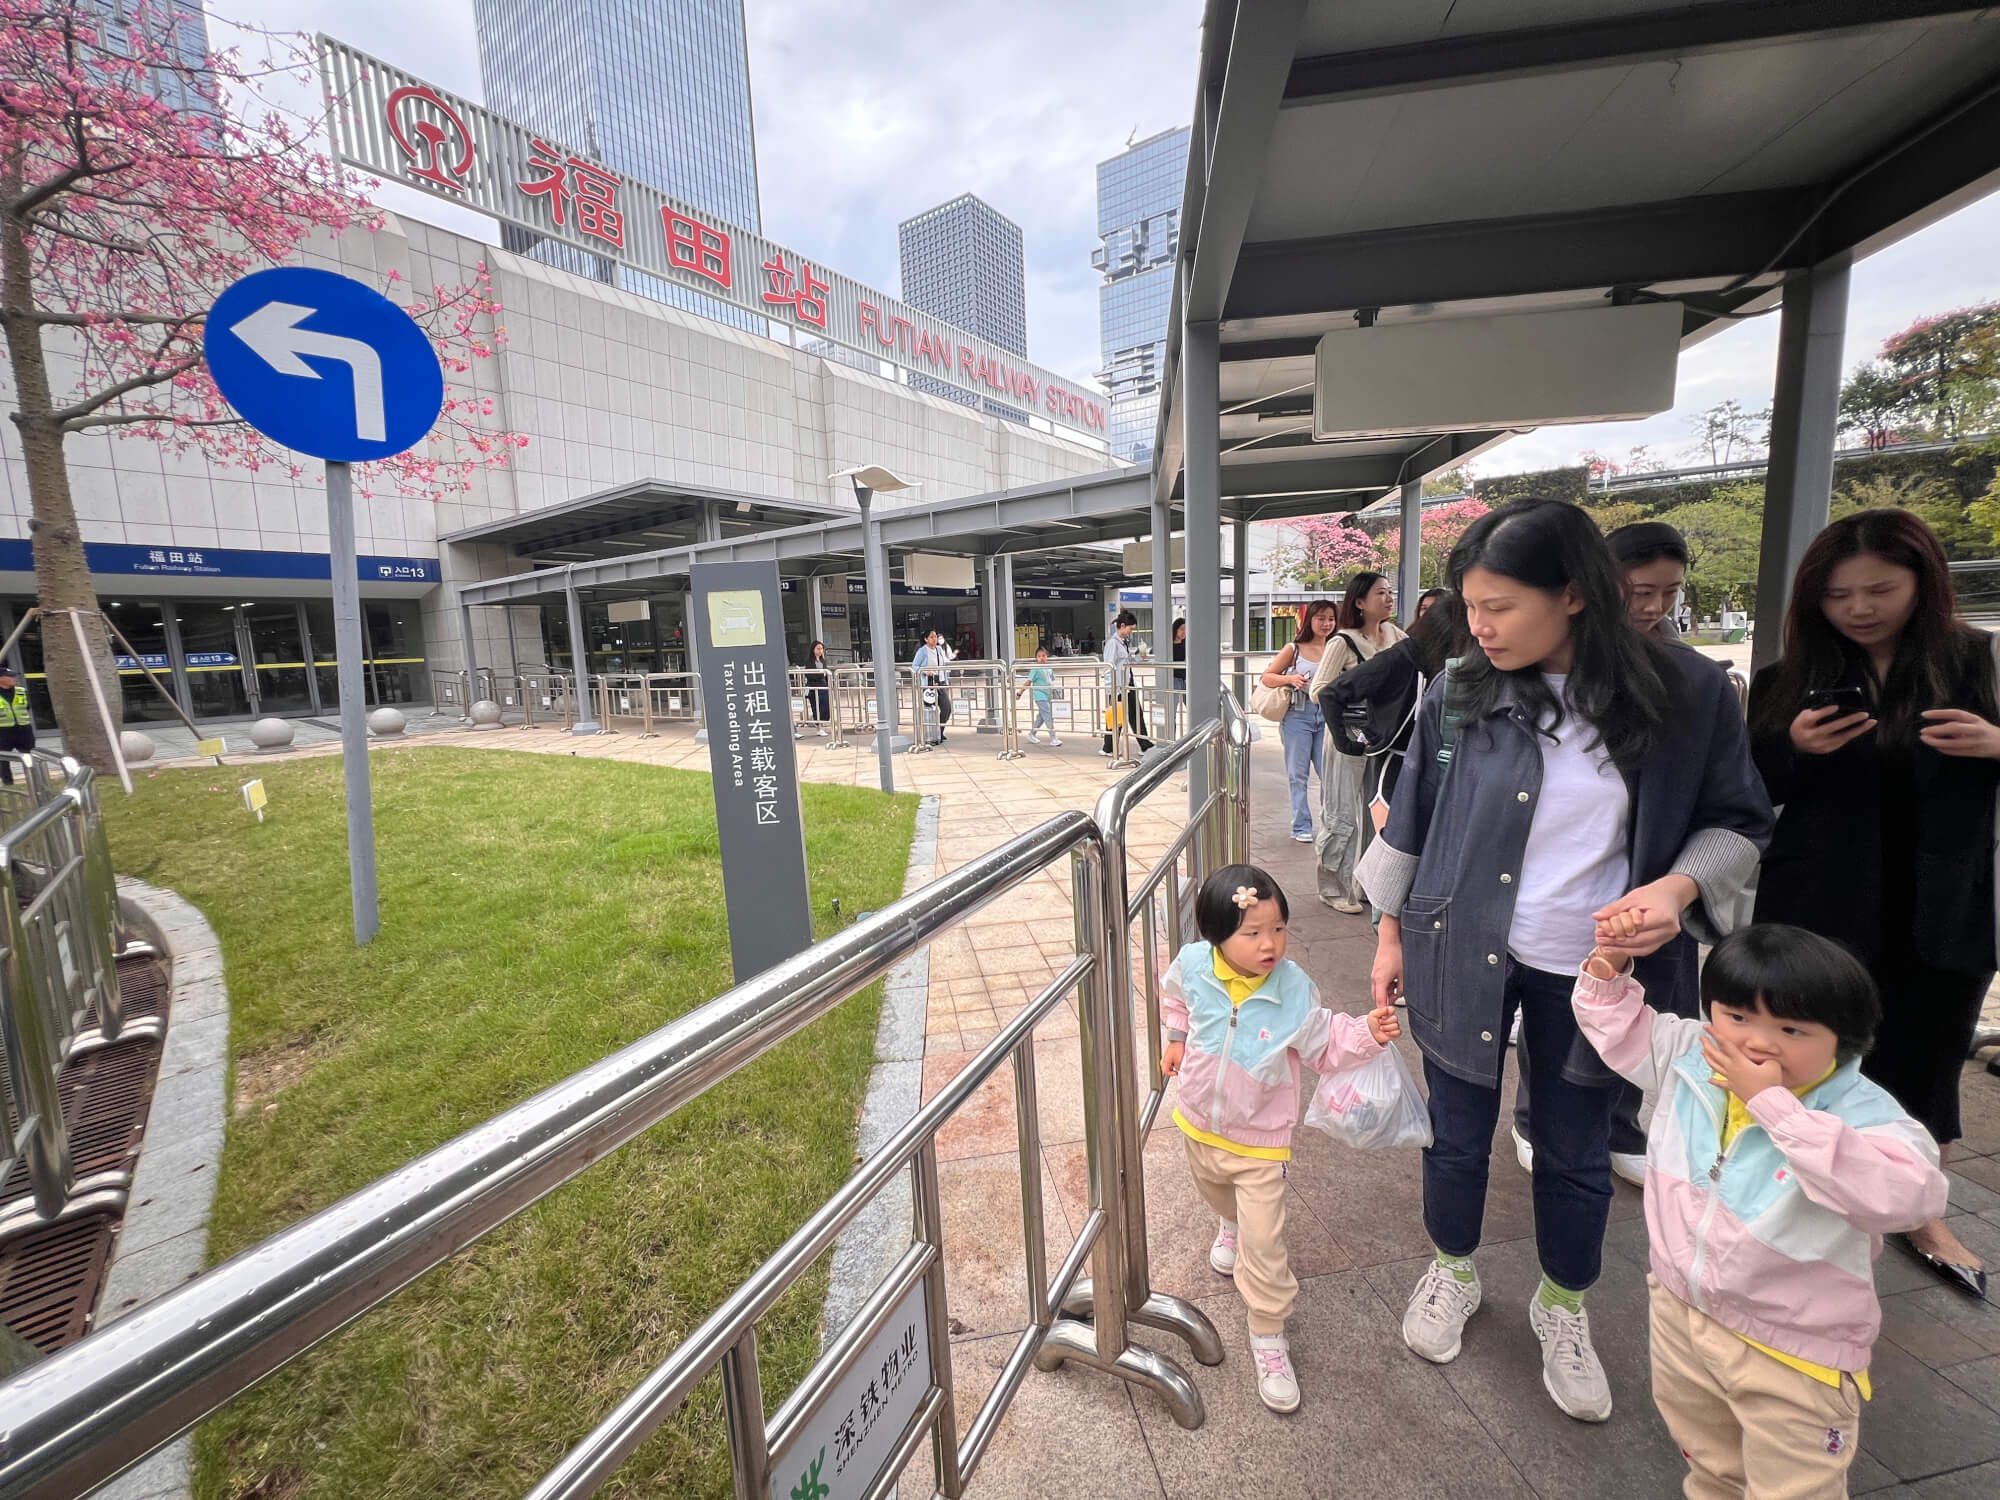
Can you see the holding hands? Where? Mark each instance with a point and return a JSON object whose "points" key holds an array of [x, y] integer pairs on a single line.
{"points": [[1383, 1025], [1644, 920]]}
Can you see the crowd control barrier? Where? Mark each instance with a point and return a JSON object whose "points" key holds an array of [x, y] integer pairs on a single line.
{"points": [[73, 1420], [58, 979]]}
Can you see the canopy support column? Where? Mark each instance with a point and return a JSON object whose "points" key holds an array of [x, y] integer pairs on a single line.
{"points": [[1200, 402], [1239, 606], [1410, 564], [1805, 421], [579, 660]]}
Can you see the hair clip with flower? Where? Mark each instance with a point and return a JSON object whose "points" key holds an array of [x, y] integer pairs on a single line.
{"points": [[1245, 897]]}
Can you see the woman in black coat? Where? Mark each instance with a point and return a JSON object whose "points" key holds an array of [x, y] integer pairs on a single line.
{"points": [[1876, 733]]}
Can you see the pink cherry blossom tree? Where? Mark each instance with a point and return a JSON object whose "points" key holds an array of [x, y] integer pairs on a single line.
{"points": [[135, 185], [1438, 532], [1324, 551]]}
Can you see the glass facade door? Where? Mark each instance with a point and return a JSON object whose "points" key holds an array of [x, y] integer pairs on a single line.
{"points": [[278, 650], [143, 623], [218, 684]]}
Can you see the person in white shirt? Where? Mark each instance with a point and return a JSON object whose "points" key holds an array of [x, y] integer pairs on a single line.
{"points": [[1119, 686]]}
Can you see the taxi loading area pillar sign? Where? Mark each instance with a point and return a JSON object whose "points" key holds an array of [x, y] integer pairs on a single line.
{"points": [[739, 631]]}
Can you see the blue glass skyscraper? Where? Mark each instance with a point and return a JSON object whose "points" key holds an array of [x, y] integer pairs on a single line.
{"points": [[1138, 219], [656, 89], [966, 262]]}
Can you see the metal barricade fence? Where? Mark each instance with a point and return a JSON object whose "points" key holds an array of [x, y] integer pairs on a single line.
{"points": [[451, 694], [672, 698], [58, 979], [81, 1415]]}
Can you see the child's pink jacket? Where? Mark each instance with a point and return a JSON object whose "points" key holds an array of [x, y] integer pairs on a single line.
{"points": [[1240, 1075], [1776, 1236]]}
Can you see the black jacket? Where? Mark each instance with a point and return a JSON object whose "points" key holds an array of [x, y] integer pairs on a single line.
{"points": [[1823, 870], [1369, 707]]}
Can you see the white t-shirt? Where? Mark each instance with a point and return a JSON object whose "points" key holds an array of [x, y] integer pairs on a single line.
{"points": [[1577, 858]]}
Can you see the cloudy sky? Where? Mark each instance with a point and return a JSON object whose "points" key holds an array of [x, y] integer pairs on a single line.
{"points": [[869, 112]]}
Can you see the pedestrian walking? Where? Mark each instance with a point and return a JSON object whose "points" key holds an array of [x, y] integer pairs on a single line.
{"points": [[1567, 770], [1241, 1019], [1121, 692], [1652, 561], [1876, 733], [17, 723], [1302, 730], [819, 686], [933, 685], [1040, 687], [1772, 1167], [1366, 626]]}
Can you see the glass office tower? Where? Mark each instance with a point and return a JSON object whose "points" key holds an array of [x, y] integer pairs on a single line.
{"points": [[964, 261], [1138, 219], [656, 89]]}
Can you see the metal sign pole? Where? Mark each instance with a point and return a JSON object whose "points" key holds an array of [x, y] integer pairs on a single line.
{"points": [[353, 702], [881, 641]]}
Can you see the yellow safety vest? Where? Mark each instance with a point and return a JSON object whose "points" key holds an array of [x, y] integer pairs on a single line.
{"points": [[14, 711]]}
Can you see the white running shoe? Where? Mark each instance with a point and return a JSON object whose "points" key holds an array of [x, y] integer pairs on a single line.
{"points": [[1222, 1254], [1524, 1151], [1054, 741], [1630, 1165], [1437, 1314], [1350, 906], [1570, 1371], [1277, 1385], [1302, 838], [1034, 736]]}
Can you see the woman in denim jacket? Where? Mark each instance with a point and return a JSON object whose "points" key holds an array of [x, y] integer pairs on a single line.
{"points": [[1588, 771]]}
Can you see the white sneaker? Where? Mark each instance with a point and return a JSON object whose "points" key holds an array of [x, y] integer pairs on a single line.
{"points": [[1524, 1151], [1570, 1371], [1277, 1385], [1437, 1313], [1302, 838], [1103, 752], [1630, 1165], [1055, 742], [1222, 1254], [822, 734], [1350, 906], [1034, 736]]}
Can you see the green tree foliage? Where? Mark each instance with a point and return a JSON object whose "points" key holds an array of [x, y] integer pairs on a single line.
{"points": [[1937, 505], [1724, 536], [1949, 369], [1873, 404]]}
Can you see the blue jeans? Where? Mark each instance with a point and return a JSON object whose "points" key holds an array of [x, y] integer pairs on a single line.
{"points": [[1045, 713], [1303, 733], [1570, 1125]]}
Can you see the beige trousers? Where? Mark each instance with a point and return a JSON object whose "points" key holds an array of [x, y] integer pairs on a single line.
{"points": [[1749, 1427], [1251, 1193]]}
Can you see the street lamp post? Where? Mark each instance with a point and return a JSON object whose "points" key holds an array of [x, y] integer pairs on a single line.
{"points": [[867, 479]]}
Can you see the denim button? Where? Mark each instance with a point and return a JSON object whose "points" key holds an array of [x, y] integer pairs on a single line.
{"points": [[1520, 796], [1506, 879], [1437, 927], [1493, 958], [1485, 1036]]}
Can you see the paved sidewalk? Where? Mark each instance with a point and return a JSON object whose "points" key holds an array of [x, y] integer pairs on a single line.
{"points": [[1375, 1420]]}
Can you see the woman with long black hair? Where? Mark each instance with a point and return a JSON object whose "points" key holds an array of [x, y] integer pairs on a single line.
{"points": [[1568, 771], [1876, 733]]}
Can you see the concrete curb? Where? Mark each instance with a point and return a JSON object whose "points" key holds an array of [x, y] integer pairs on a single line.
{"points": [[871, 1244], [164, 1239]]}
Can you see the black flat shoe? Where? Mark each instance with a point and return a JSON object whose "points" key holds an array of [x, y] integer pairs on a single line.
{"points": [[1966, 1278]]}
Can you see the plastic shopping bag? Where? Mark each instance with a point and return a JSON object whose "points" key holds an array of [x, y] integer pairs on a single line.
{"points": [[1372, 1105]]}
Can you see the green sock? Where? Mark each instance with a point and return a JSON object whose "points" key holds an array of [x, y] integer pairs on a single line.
{"points": [[1553, 1296], [1460, 1267]]}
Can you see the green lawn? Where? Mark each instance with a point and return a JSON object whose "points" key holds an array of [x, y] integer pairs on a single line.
{"points": [[537, 912]]}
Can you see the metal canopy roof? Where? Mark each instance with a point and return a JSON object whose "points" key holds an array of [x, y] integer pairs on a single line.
{"points": [[637, 517], [1419, 159], [1045, 526]]}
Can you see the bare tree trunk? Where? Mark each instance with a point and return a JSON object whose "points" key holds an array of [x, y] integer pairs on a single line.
{"points": [[62, 574]]}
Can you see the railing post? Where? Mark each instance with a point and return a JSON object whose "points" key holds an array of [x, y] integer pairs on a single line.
{"points": [[31, 1057], [743, 1414]]}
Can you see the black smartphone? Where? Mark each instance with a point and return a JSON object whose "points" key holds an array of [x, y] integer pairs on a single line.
{"points": [[1849, 699]]}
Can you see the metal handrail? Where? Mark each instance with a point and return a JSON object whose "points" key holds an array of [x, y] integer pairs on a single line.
{"points": [[83, 1414]]}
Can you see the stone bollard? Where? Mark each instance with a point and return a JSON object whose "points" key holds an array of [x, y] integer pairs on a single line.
{"points": [[271, 734], [137, 747], [485, 714], [386, 722]]}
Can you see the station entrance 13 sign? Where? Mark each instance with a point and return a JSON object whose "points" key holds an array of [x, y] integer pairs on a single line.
{"points": [[388, 122]]}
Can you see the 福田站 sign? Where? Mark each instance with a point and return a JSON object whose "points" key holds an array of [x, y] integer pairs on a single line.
{"points": [[388, 122]]}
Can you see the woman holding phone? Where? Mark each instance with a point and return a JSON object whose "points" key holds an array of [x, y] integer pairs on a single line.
{"points": [[1876, 734]]}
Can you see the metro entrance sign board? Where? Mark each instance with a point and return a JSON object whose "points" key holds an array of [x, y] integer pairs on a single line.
{"points": [[393, 124]]}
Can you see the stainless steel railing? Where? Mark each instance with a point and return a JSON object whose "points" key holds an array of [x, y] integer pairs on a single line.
{"points": [[73, 1420], [58, 977]]}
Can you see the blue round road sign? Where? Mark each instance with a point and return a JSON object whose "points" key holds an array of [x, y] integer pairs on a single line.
{"points": [[323, 364]]}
